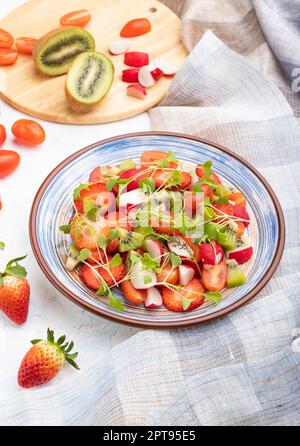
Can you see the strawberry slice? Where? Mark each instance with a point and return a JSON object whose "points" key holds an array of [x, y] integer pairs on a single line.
{"points": [[90, 193], [85, 233], [201, 174], [134, 296], [241, 212], [161, 178], [192, 291], [88, 275]]}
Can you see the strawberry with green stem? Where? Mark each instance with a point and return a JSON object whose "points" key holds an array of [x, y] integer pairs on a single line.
{"points": [[44, 360], [14, 291]]}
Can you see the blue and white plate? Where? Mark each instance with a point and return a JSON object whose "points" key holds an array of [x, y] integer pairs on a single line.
{"points": [[52, 207]]}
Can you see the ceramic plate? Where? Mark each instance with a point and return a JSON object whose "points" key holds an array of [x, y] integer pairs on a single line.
{"points": [[52, 207]]}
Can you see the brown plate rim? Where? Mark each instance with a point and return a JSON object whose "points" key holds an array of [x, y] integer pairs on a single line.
{"points": [[136, 322]]}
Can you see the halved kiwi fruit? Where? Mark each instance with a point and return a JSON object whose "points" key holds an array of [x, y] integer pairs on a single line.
{"points": [[88, 80], [129, 240], [55, 52]]}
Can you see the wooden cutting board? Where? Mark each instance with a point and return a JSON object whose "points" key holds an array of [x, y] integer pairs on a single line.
{"points": [[41, 96]]}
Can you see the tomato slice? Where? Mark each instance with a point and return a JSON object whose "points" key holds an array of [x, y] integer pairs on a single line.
{"points": [[8, 56], [76, 18], [132, 294], [9, 161], [2, 134], [136, 27], [238, 198], [214, 276], [25, 44], [6, 39], [28, 132], [151, 156]]}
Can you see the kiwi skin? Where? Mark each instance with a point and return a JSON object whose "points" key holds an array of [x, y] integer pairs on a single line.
{"points": [[44, 39], [83, 107]]}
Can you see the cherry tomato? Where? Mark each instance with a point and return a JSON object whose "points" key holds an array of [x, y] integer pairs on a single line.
{"points": [[76, 18], [214, 276], [132, 294], [2, 134], [211, 253], [9, 161], [6, 39], [151, 156], [241, 228], [8, 56], [25, 44], [237, 198], [201, 174], [136, 27], [28, 132]]}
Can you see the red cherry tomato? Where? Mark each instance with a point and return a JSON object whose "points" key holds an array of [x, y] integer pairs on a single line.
{"points": [[6, 39], [25, 44], [76, 18], [8, 56], [211, 253], [136, 27], [9, 161], [201, 174], [2, 134], [28, 132], [214, 276]]}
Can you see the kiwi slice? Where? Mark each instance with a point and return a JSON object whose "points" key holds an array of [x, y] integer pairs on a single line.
{"points": [[129, 240], [229, 242], [88, 80], [72, 259], [55, 52], [235, 275]]}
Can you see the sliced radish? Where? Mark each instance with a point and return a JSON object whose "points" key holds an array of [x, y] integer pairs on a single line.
{"points": [[136, 59], [142, 279], [241, 254], [180, 247], [154, 248], [119, 46], [166, 67], [153, 299], [132, 198], [137, 91], [156, 73], [186, 274], [145, 77], [130, 75]]}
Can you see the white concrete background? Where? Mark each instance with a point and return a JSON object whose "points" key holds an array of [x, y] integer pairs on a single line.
{"points": [[92, 335]]}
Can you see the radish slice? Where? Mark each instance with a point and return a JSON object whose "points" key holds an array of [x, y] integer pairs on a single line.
{"points": [[142, 279], [154, 248], [180, 247], [119, 46], [153, 299], [156, 73], [132, 198], [166, 67], [145, 77], [137, 91], [186, 274]]}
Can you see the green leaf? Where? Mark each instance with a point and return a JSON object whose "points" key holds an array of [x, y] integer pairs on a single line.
{"points": [[35, 341], [84, 254], [1, 280], [148, 262], [116, 260], [88, 204], [207, 168], [92, 213], [16, 260], [175, 260], [110, 184], [174, 178], [214, 296], [50, 335], [78, 189], [102, 242], [164, 162], [147, 279], [186, 303], [104, 289], [113, 234], [16, 271], [127, 165], [116, 303], [222, 200], [65, 229], [72, 363], [147, 185], [2, 245], [61, 340]]}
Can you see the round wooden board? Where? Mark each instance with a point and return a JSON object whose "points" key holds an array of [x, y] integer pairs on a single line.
{"points": [[31, 92]]}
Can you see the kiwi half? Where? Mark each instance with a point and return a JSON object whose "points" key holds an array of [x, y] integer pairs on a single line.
{"points": [[88, 80], [55, 52]]}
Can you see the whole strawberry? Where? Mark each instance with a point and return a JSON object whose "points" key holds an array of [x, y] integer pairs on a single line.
{"points": [[44, 360], [14, 291]]}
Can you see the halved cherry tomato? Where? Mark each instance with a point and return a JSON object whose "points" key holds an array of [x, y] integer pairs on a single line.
{"points": [[25, 44], [201, 174], [149, 157], [8, 56], [6, 39], [214, 276], [166, 273], [9, 161], [238, 198], [2, 134], [136, 27], [28, 132], [193, 291], [241, 228], [76, 18], [132, 294]]}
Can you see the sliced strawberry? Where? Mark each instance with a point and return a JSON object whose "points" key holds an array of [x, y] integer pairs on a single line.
{"points": [[161, 179], [150, 157], [168, 274], [200, 173], [118, 220], [132, 294], [135, 175], [211, 253], [91, 193], [241, 212], [193, 291], [85, 233], [88, 274]]}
